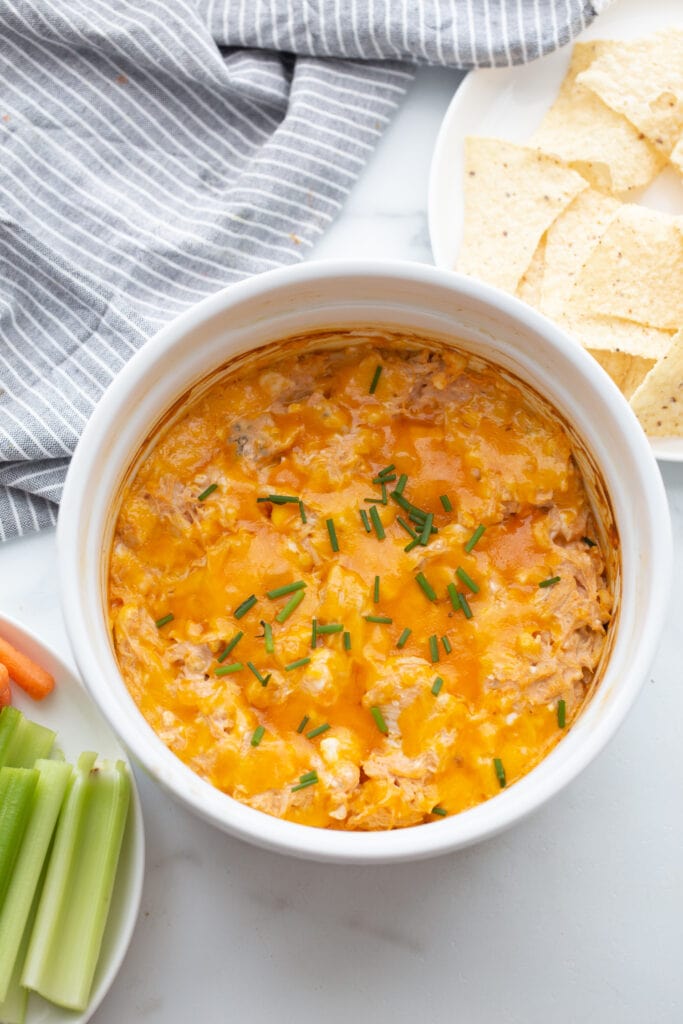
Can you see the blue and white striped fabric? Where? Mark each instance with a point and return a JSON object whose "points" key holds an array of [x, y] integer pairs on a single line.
{"points": [[155, 150]]}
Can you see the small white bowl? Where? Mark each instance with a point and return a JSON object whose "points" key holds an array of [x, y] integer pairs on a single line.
{"points": [[402, 296]]}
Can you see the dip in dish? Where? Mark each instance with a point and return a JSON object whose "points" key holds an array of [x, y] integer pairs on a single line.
{"points": [[356, 582]]}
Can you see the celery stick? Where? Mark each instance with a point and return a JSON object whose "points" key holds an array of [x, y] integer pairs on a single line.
{"points": [[28, 742], [13, 1008], [48, 797], [74, 904], [17, 786], [9, 719]]}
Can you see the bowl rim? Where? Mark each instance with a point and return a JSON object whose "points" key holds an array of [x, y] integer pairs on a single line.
{"points": [[415, 842]]}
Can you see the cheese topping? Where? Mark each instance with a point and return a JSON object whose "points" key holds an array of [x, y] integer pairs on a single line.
{"points": [[451, 602]]}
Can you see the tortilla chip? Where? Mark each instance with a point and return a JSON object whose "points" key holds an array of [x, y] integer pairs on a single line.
{"points": [[635, 272], [626, 371], [658, 402], [593, 139], [530, 287], [643, 80], [570, 241], [512, 195], [610, 334]]}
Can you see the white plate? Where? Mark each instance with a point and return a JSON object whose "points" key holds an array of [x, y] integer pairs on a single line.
{"points": [[79, 726], [509, 103]]}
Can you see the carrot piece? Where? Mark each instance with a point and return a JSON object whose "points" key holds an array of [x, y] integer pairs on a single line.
{"points": [[5, 691], [36, 681]]}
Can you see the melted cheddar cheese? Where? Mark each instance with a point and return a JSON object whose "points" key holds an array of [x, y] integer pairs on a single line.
{"points": [[320, 425]]}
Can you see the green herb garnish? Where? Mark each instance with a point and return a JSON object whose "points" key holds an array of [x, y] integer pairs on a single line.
{"points": [[314, 633], [401, 642], [426, 586], [379, 720], [453, 594], [446, 502], [263, 680], [375, 379], [433, 648], [268, 637], [299, 663], [377, 523], [384, 479], [375, 590], [500, 772], [401, 485], [440, 811], [365, 520], [243, 608], [318, 730], [310, 780], [331, 627], [589, 543], [302, 724], [288, 588], [436, 686], [467, 579], [333, 534], [280, 499], [257, 735], [209, 490], [549, 582], [561, 713], [386, 471], [291, 606], [230, 646], [347, 641], [464, 605], [302, 512], [446, 644], [226, 670], [474, 538], [407, 527], [164, 620], [426, 529], [383, 619]]}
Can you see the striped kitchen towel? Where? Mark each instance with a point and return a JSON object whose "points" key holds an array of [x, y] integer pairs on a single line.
{"points": [[154, 151]]}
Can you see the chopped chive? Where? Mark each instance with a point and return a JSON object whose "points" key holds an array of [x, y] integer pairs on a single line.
{"points": [[420, 518], [446, 644], [384, 619], [302, 511], [384, 494], [400, 486], [288, 588], [257, 735], [453, 594], [561, 713], [433, 648], [230, 646], [474, 538], [426, 586], [401, 642], [243, 608], [299, 663], [588, 542], [374, 501], [440, 811], [263, 680], [304, 785], [436, 686], [347, 641], [302, 724], [375, 380], [164, 620], [375, 590], [549, 582], [268, 637], [333, 534], [226, 670], [407, 527], [377, 523], [446, 502], [464, 605], [280, 499], [314, 633], [384, 479], [331, 627], [467, 579], [209, 490], [400, 500], [318, 730], [379, 720], [412, 544], [365, 521], [387, 469], [311, 776], [426, 529], [293, 603], [500, 771]]}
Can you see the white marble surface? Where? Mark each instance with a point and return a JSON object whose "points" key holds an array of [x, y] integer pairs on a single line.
{"points": [[575, 915]]}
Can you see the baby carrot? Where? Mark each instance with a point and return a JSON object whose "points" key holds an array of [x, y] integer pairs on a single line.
{"points": [[5, 691], [30, 677]]}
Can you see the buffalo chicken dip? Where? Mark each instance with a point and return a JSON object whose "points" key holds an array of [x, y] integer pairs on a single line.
{"points": [[357, 582]]}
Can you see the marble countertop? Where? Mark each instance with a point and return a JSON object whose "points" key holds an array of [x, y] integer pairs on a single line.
{"points": [[574, 915]]}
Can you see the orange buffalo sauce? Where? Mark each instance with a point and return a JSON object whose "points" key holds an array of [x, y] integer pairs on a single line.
{"points": [[365, 725]]}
